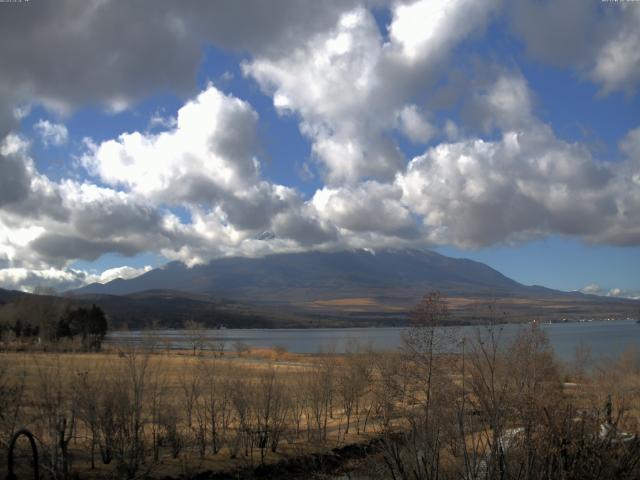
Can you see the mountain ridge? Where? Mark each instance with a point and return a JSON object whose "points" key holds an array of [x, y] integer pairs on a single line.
{"points": [[352, 287], [330, 289], [230, 276]]}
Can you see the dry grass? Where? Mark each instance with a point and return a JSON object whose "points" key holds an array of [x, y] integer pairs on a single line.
{"points": [[176, 372], [382, 380], [356, 304]]}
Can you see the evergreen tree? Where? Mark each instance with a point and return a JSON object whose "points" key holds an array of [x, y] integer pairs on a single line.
{"points": [[88, 323]]}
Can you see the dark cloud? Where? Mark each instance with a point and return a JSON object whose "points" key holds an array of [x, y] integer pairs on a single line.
{"points": [[113, 217], [60, 248], [236, 140], [254, 209], [599, 39], [559, 33], [23, 191], [15, 181], [4, 261], [193, 187], [302, 229], [68, 53]]}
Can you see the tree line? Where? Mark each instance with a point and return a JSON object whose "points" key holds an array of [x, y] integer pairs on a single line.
{"points": [[51, 321]]}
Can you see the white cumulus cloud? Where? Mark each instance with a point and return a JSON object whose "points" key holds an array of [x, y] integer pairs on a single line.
{"points": [[617, 65], [348, 84], [51, 133], [124, 272], [595, 289], [413, 124]]}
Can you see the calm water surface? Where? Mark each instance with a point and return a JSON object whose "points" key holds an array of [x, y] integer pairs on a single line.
{"points": [[604, 338]]}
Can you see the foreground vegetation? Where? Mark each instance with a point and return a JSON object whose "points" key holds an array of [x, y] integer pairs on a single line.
{"points": [[501, 409]]}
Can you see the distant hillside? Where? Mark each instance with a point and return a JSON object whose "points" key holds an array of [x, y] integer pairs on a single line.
{"points": [[155, 308], [172, 309], [335, 288], [8, 296]]}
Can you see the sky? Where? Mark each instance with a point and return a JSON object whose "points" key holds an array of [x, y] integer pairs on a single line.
{"points": [[137, 133]]}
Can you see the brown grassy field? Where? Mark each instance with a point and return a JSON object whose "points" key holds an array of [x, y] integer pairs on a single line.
{"points": [[159, 412], [182, 386]]}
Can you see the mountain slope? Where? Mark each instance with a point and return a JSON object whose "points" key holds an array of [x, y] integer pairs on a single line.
{"points": [[336, 289], [8, 296], [320, 275], [173, 309]]}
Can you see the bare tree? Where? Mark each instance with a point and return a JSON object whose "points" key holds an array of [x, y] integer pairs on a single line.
{"points": [[156, 403], [297, 402], [12, 388], [89, 388], [424, 342], [217, 392], [319, 390], [196, 335], [129, 399], [190, 388], [241, 401], [353, 382], [57, 410], [218, 343], [270, 409]]}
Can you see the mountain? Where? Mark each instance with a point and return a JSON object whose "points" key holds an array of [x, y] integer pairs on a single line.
{"points": [[337, 288], [9, 296], [319, 275]]}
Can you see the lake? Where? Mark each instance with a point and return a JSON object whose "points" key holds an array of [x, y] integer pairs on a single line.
{"points": [[604, 338]]}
